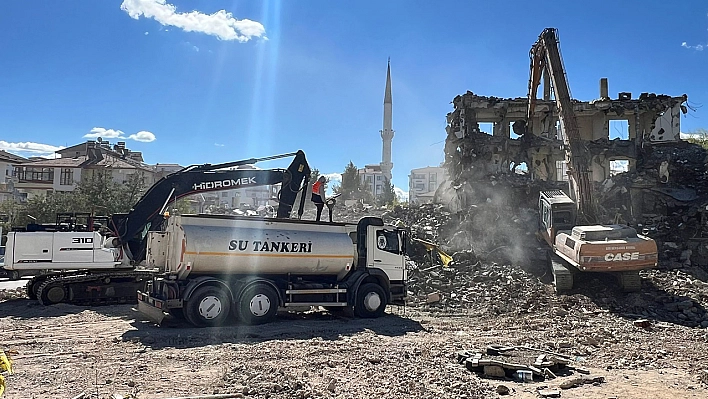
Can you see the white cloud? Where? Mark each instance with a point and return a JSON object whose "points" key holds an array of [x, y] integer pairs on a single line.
{"points": [[219, 144], [29, 148], [105, 133], [191, 46], [697, 47], [333, 178], [143, 136], [147, 33], [401, 194], [221, 24]]}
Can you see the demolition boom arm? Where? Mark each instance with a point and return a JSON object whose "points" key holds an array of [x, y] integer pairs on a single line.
{"points": [[147, 214], [545, 56]]}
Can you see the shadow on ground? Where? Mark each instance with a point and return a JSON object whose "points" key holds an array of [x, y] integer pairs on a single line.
{"points": [[25, 308], [288, 326]]}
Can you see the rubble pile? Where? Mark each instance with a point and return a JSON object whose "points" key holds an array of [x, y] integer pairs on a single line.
{"points": [[512, 240], [680, 297], [468, 284], [666, 197]]}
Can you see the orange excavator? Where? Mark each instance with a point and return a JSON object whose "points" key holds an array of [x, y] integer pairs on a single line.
{"points": [[568, 225]]}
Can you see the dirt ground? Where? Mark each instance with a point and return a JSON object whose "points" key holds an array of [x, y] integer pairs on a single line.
{"points": [[62, 351]]}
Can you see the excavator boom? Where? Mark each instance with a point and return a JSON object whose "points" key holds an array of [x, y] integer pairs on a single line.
{"points": [[147, 213], [545, 56]]}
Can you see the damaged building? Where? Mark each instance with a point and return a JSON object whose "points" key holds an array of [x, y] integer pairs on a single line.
{"points": [[663, 189]]}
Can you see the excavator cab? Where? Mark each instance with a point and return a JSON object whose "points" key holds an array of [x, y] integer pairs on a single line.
{"points": [[557, 212]]}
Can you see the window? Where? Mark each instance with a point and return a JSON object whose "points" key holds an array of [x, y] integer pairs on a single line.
{"points": [[486, 127], [570, 243], [562, 218], [378, 178], [433, 178], [224, 195], [34, 174], [561, 171], [66, 176], [387, 241], [369, 179]]}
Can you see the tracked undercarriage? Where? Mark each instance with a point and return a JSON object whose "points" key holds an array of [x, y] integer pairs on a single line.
{"points": [[88, 288]]}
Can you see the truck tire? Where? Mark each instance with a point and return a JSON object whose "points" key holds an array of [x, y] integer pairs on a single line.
{"points": [[208, 307], [370, 301], [258, 304], [177, 313]]}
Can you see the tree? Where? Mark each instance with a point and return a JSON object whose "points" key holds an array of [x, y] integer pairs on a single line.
{"points": [[698, 136], [314, 175], [96, 193], [388, 195], [9, 213], [351, 185]]}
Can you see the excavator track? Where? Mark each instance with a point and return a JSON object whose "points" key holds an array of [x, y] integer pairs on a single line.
{"points": [[32, 286], [562, 274], [93, 289], [630, 281]]}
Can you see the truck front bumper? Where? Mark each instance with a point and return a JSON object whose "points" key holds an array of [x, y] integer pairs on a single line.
{"points": [[151, 307]]}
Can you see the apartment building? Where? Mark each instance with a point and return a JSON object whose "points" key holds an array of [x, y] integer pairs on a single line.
{"points": [[423, 182]]}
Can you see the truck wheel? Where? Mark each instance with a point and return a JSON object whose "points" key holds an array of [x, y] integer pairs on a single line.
{"points": [[13, 275], [370, 301], [209, 306], [258, 304]]}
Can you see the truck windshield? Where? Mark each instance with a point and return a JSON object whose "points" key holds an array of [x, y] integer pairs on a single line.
{"points": [[387, 240]]}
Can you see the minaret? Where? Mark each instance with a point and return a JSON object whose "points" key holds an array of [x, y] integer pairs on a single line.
{"points": [[387, 132]]}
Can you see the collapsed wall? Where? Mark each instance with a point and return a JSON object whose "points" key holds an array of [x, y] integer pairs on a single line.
{"points": [[495, 177]]}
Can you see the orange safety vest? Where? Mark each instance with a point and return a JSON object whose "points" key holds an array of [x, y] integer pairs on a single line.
{"points": [[316, 187]]}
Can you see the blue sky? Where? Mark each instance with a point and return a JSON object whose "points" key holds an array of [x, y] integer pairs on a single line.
{"points": [[277, 76]]}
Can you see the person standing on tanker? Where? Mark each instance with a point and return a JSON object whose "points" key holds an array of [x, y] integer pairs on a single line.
{"points": [[318, 195]]}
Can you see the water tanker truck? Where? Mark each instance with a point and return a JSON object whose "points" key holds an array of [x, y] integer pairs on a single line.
{"points": [[219, 268]]}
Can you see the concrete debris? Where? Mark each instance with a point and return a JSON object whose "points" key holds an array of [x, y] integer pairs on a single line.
{"points": [[433, 298], [332, 385], [644, 323], [520, 363], [8, 294], [493, 372], [549, 393], [703, 377], [503, 390], [576, 382]]}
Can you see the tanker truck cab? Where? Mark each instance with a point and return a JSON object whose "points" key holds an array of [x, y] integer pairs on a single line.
{"points": [[220, 268]]}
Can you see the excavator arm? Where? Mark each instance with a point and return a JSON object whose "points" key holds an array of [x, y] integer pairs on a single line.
{"points": [[545, 56], [147, 214]]}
